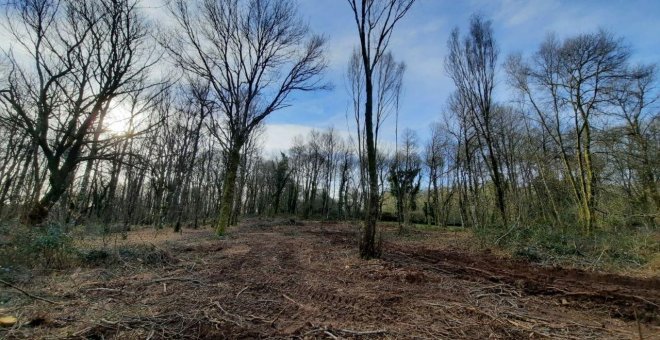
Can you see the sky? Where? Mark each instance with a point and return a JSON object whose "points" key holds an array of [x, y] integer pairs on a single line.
{"points": [[420, 41]]}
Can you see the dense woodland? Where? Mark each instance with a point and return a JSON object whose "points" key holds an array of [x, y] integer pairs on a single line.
{"points": [[109, 119]]}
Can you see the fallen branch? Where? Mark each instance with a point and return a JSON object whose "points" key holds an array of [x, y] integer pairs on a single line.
{"points": [[330, 334], [292, 300], [26, 293], [272, 323], [242, 290], [184, 279], [109, 290], [235, 316], [109, 322], [352, 332]]}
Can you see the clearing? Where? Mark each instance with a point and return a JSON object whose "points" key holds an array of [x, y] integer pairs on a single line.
{"points": [[282, 279]]}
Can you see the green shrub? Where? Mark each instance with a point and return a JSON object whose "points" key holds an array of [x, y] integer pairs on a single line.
{"points": [[602, 248], [96, 257], [147, 255], [50, 247]]}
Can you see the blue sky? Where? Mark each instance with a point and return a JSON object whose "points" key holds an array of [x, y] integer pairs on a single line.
{"points": [[420, 41]]}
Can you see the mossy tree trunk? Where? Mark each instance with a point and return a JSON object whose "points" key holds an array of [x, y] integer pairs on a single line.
{"points": [[229, 188]]}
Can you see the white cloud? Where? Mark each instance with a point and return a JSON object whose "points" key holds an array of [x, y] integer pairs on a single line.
{"points": [[279, 137], [519, 12]]}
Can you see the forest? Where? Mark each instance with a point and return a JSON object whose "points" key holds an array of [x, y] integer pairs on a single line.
{"points": [[137, 199]]}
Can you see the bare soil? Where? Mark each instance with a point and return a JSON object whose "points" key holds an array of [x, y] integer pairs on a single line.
{"points": [[276, 279]]}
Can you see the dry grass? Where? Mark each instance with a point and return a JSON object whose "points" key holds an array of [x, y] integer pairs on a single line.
{"points": [[271, 280]]}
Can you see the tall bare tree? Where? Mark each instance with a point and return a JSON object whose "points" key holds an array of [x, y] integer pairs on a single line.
{"points": [[375, 21], [405, 178], [254, 54], [434, 159], [471, 64]]}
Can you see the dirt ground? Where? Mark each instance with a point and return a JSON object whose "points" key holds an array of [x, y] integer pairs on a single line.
{"points": [[275, 279]]}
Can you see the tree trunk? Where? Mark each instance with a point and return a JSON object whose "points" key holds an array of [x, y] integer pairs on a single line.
{"points": [[229, 187], [368, 246], [39, 211], [238, 191]]}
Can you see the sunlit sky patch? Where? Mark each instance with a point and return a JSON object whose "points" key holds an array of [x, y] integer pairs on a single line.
{"points": [[420, 41]]}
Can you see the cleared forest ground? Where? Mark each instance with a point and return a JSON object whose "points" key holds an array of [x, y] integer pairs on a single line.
{"points": [[275, 279]]}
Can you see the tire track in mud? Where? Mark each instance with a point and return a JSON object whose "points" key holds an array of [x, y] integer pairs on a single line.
{"points": [[317, 296], [627, 298], [624, 297], [316, 292], [292, 261]]}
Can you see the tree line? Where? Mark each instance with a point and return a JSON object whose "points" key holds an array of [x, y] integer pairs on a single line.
{"points": [[109, 118]]}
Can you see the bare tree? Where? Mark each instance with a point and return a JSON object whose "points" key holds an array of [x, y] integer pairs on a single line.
{"points": [[405, 178], [84, 54], [471, 65], [375, 21], [635, 100], [435, 162], [281, 176], [254, 54], [466, 160], [566, 85]]}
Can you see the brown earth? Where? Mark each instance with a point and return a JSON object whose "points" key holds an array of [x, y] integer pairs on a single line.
{"points": [[274, 279]]}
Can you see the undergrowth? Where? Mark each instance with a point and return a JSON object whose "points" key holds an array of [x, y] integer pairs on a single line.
{"points": [[48, 247], [602, 249], [54, 247]]}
